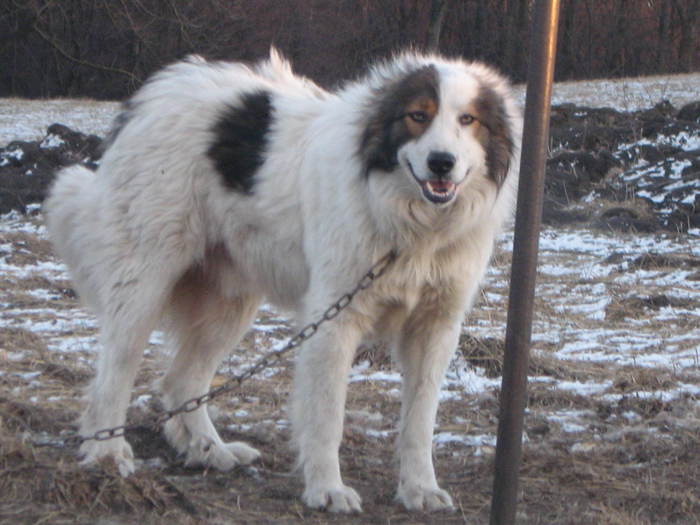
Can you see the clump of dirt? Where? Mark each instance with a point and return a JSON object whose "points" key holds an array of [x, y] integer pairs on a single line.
{"points": [[604, 155], [28, 168]]}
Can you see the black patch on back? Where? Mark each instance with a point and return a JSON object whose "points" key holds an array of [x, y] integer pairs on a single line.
{"points": [[498, 144], [240, 138], [386, 132]]}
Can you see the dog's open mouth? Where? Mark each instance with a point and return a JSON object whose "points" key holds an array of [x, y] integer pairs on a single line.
{"points": [[438, 191]]}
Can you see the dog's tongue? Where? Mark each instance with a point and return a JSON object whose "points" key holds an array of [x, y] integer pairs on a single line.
{"points": [[441, 186]]}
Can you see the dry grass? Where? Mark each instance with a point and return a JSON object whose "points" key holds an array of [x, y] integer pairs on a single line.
{"points": [[640, 479], [37, 487]]}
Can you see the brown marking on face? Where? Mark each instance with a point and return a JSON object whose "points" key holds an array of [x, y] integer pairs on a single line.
{"points": [[390, 125], [423, 105], [477, 127], [493, 131]]}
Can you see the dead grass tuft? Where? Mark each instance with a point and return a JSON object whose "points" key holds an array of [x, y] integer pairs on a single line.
{"points": [[101, 489], [19, 416], [485, 353], [656, 261], [19, 339], [30, 481], [621, 308], [69, 376], [646, 407], [642, 379]]}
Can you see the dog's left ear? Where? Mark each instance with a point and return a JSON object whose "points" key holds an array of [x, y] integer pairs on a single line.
{"points": [[498, 143]]}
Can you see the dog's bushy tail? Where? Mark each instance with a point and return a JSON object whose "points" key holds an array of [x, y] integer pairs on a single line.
{"points": [[72, 219]]}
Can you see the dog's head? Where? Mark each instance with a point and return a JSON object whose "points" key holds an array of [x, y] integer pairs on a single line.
{"points": [[441, 124]]}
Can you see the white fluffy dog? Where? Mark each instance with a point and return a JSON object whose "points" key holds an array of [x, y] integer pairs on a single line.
{"points": [[224, 185]]}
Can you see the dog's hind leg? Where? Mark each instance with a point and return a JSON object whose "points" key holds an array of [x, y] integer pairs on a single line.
{"points": [[204, 326], [134, 299]]}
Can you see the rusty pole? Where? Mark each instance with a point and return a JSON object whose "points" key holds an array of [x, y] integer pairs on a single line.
{"points": [[543, 39]]}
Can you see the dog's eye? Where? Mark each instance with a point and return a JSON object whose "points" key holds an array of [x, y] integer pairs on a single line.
{"points": [[418, 116], [466, 119]]}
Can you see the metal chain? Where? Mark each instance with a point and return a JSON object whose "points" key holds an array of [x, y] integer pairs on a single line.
{"points": [[266, 361]]}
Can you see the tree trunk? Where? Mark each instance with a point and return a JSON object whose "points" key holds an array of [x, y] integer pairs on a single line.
{"points": [[569, 40], [687, 46], [438, 8]]}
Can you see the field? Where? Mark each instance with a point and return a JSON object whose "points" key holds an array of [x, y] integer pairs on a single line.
{"points": [[613, 414]]}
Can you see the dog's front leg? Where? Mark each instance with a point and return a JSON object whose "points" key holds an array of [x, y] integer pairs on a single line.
{"points": [[318, 405], [425, 350]]}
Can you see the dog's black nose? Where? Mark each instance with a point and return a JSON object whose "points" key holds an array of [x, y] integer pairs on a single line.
{"points": [[441, 162]]}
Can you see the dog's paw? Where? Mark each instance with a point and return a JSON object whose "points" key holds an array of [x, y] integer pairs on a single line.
{"points": [[417, 497], [334, 499], [205, 451], [243, 452], [118, 449]]}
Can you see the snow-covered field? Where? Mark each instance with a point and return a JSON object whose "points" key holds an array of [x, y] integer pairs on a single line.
{"points": [[629, 94], [617, 328], [22, 119]]}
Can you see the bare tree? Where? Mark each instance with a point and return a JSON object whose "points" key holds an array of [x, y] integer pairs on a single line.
{"points": [[106, 48]]}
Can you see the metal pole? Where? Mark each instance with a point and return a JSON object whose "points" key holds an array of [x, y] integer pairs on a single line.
{"points": [[543, 38]]}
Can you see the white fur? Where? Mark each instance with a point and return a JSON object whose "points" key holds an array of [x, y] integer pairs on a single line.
{"points": [[154, 237]]}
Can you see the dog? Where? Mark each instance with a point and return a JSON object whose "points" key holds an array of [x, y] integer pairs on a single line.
{"points": [[224, 185]]}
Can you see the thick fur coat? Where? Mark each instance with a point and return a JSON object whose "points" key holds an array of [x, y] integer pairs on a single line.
{"points": [[225, 185]]}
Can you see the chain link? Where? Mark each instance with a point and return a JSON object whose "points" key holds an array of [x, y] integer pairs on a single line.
{"points": [[266, 361]]}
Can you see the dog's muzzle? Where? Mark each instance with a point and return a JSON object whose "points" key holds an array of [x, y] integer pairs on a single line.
{"points": [[438, 189]]}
